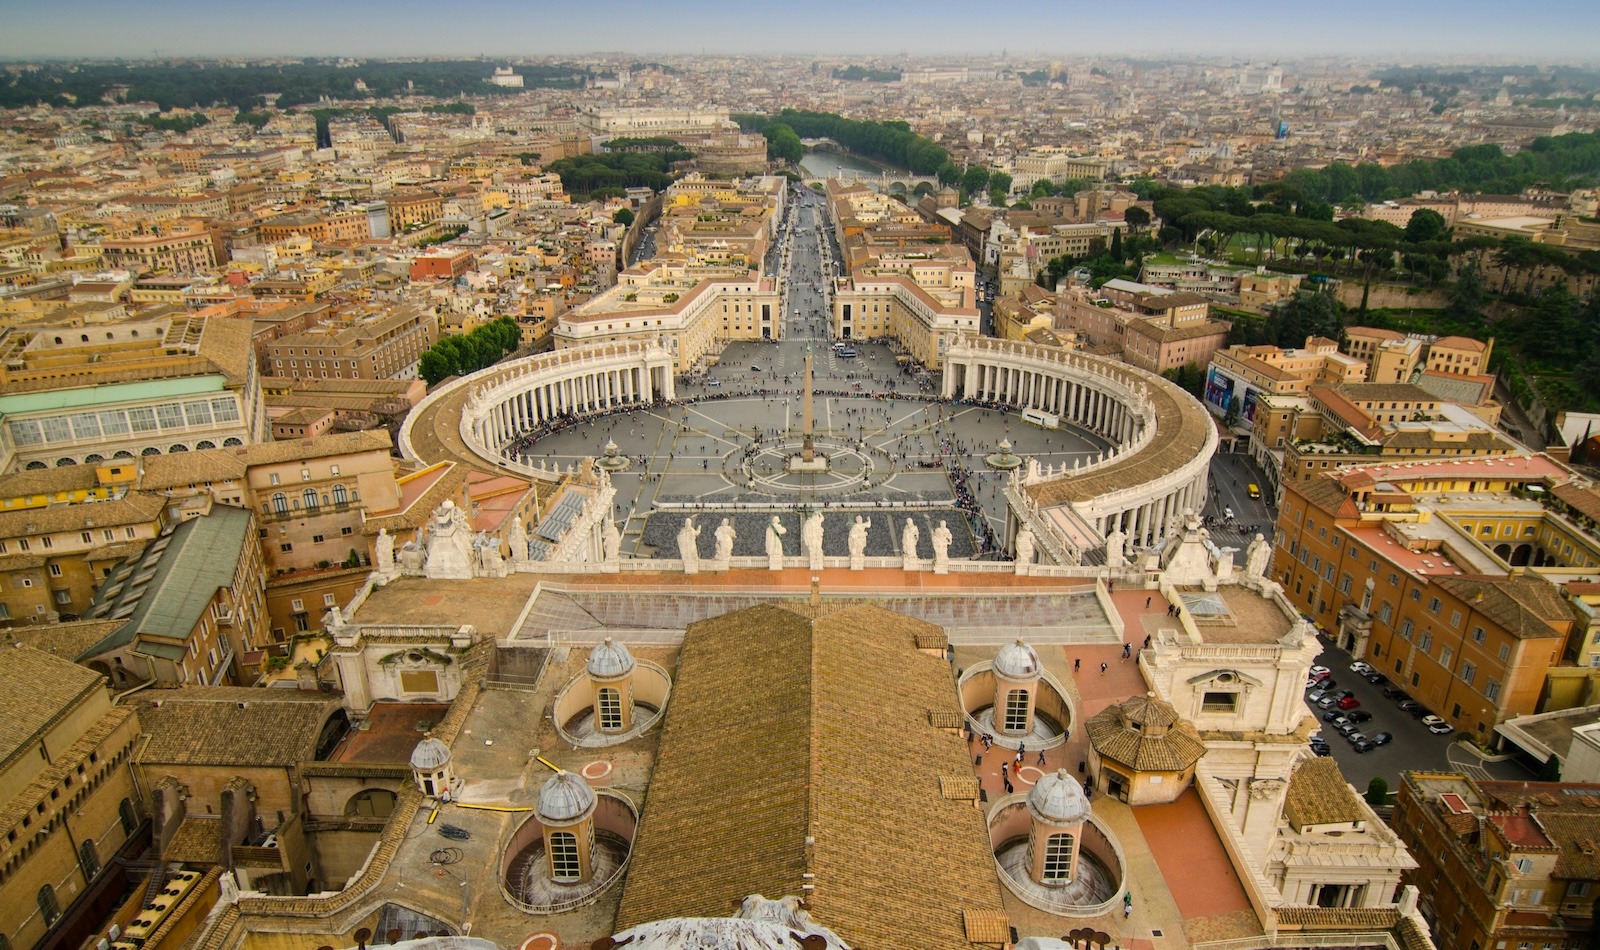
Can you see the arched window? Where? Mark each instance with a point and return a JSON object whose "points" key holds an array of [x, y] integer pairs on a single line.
{"points": [[1057, 859], [309, 499], [205, 444], [230, 442], [1016, 710], [372, 803], [150, 450], [564, 864], [49, 907], [84, 337], [64, 462], [178, 447], [89, 859], [93, 458], [340, 496], [610, 709], [129, 817], [280, 503]]}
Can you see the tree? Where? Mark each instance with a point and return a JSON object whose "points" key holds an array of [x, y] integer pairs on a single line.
{"points": [[783, 144], [1425, 225], [1001, 182], [1377, 792], [1137, 218], [435, 366], [948, 173], [974, 180], [1308, 313], [1467, 298], [623, 217], [1116, 245]]}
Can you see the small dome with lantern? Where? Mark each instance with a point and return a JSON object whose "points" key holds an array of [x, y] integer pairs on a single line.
{"points": [[430, 755], [610, 659], [1058, 799], [1017, 661], [565, 797]]}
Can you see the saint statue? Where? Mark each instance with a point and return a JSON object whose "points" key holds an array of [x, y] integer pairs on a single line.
{"points": [[941, 538], [688, 546], [725, 538], [775, 533], [385, 550]]}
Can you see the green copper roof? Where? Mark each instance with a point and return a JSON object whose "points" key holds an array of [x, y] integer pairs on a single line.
{"points": [[115, 393], [169, 585]]}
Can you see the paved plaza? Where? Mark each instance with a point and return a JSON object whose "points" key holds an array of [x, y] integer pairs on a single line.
{"points": [[722, 451]]}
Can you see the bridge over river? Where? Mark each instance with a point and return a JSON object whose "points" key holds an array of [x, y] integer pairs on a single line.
{"points": [[826, 158]]}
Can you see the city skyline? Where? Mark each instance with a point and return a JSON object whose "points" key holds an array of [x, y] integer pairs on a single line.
{"points": [[1476, 29]]}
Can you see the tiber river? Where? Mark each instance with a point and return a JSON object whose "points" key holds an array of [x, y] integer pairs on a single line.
{"points": [[829, 164]]}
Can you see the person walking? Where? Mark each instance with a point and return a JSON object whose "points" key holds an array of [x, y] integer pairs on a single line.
{"points": [[1076, 664], [1103, 667]]}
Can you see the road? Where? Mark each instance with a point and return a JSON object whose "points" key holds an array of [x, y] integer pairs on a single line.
{"points": [[1231, 476]]}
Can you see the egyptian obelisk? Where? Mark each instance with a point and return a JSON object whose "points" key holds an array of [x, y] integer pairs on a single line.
{"points": [[808, 451]]}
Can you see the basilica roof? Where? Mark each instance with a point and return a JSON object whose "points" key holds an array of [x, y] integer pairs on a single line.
{"points": [[786, 735]]}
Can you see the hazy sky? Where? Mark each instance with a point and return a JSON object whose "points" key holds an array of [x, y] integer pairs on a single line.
{"points": [[1502, 30]]}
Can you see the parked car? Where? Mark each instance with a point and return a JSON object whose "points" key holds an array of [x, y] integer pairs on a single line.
{"points": [[1316, 695], [1328, 701], [1437, 726], [1421, 712], [1360, 668], [1395, 692], [1320, 672], [1346, 727], [1321, 748], [1364, 746], [1354, 737], [1333, 716], [1376, 678], [1358, 715], [1409, 705], [1382, 738], [1349, 702]]}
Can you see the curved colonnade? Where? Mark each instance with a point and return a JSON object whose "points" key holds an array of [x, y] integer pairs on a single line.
{"points": [[502, 403], [1165, 440]]}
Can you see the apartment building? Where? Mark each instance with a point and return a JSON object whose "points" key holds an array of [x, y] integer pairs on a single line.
{"points": [[1152, 328], [1355, 423], [1433, 573], [1394, 357], [183, 252], [1501, 864], [328, 228], [410, 210], [384, 345]]}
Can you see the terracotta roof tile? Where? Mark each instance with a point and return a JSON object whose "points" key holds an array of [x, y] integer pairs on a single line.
{"points": [[1319, 795], [774, 746]]}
